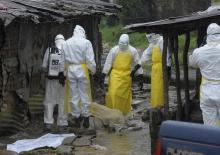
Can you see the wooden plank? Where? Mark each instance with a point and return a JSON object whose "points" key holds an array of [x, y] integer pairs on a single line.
{"points": [[182, 21], [186, 76], [178, 85], [165, 76]]}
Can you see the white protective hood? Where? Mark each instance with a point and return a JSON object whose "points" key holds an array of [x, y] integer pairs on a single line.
{"points": [[153, 38], [79, 32], [123, 42], [59, 40], [213, 33]]}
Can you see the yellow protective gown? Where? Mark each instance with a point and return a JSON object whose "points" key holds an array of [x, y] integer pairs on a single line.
{"points": [[119, 92], [67, 99], [157, 95]]}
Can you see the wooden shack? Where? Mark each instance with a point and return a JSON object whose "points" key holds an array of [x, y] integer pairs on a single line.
{"points": [[30, 27], [171, 28]]}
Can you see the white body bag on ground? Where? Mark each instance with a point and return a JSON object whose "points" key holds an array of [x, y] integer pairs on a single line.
{"points": [[48, 140]]}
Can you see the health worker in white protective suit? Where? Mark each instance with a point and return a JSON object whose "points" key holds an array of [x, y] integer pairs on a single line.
{"points": [[207, 59], [154, 53], [54, 94], [78, 60], [118, 66]]}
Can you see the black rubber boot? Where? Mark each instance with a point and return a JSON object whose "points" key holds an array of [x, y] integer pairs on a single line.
{"points": [[78, 122], [62, 129], [47, 127], [86, 122]]}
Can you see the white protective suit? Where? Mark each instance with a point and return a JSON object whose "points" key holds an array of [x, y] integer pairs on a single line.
{"points": [[114, 51], [207, 59], [77, 51], [118, 66], [54, 94], [154, 39]]}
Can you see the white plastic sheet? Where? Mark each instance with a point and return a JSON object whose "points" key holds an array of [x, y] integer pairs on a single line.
{"points": [[48, 140]]}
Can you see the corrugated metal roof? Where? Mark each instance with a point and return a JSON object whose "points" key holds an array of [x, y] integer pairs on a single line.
{"points": [[178, 24], [53, 10]]}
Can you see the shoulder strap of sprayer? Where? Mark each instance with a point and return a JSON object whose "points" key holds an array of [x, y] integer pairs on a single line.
{"points": [[54, 50]]}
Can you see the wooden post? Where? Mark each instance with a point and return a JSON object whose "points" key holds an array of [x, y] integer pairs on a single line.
{"points": [[165, 76], [178, 82], [96, 41], [186, 75], [3, 35]]}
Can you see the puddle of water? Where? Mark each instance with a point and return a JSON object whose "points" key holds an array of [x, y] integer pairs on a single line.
{"points": [[131, 143], [115, 144]]}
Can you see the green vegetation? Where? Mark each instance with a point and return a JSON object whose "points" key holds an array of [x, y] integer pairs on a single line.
{"points": [[193, 42], [133, 8], [193, 45], [110, 35], [215, 2]]}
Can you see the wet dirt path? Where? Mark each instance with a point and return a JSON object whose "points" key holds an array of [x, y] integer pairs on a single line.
{"points": [[133, 140]]}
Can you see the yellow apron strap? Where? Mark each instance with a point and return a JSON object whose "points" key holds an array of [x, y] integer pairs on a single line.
{"points": [[67, 93], [86, 71], [213, 81], [68, 97]]}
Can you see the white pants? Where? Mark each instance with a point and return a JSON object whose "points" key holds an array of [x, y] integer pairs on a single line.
{"points": [[54, 95], [210, 103], [80, 94]]}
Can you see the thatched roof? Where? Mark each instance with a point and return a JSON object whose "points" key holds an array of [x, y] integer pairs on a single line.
{"points": [[53, 10], [178, 24]]}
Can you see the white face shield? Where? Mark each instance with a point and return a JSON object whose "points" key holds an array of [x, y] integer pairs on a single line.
{"points": [[150, 37], [123, 42], [153, 38], [79, 31], [59, 40]]}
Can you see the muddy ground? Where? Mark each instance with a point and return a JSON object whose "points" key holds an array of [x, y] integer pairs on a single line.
{"points": [[132, 138]]}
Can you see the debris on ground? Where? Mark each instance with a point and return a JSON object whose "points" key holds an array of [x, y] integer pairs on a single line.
{"points": [[110, 132], [107, 115]]}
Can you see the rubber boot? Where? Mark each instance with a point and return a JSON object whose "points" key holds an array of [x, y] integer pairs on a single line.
{"points": [[86, 122], [78, 122], [48, 127]]}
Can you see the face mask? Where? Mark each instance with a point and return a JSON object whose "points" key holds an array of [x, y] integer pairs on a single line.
{"points": [[123, 47]]}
